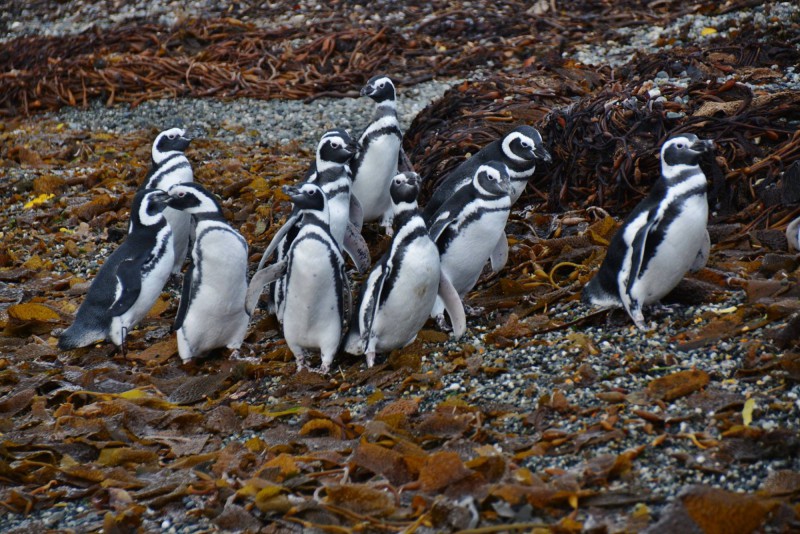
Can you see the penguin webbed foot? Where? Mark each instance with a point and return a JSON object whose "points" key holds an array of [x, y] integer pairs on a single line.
{"points": [[441, 322], [474, 311]]}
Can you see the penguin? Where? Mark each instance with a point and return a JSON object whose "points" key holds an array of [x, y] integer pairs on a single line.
{"points": [[379, 147], [520, 150], [663, 237], [212, 312], [793, 235], [398, 295], [316, 307], [331, 173], [130, 280], [468, 225], [169, 167]]}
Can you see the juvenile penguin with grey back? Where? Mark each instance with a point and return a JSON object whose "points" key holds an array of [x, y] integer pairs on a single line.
{"points": [[664, 236], [212, 312], [317, 304], [468, 225], [398, 295], [170, 166], [379, 146], [130, 280], [520, 150]]}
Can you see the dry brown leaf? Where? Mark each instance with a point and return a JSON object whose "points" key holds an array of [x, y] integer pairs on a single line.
{"points": [[32, 311], [442, 469], [677, 384], [361, 499], [386, 462]]}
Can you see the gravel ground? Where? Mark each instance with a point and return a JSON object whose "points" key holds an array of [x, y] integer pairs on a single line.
{"points": [[551, 364]]}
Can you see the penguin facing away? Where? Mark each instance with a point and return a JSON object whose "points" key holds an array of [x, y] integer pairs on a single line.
{"points": [[468, 225], [212, 311], [379, 146], [398, 296], [129, 281], [663, 237], [316, 308], [170, 166]]}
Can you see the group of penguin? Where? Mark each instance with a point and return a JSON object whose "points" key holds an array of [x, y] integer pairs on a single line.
{"points": [[435, 257]]}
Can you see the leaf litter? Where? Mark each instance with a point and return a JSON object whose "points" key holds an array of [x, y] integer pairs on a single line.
{"points": [[415, 443]]}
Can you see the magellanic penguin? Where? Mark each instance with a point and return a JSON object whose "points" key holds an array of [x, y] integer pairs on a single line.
{"points": [[316, 308], [468, 225], [212, 310], [331, 173], [398, 295], [664, 237], [520, 150], [170, 166], [376, 160], [130, 280]]}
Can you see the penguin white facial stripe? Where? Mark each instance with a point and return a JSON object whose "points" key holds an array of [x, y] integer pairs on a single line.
{"points": [[145, 218], [509, 152]]}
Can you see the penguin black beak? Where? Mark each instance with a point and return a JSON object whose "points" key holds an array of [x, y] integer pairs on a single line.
{"points": [[160, 199], [703, 145], [291, 191], [541, 153], [367, 90]]}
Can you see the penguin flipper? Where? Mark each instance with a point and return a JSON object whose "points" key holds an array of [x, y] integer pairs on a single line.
{"points": [[499, 256], [347, 305], [355, 247], [261, 279], [293, 219], [129, 277], [356, 213], [441, 221], [453, 305], [702, 255], [792, 236], [403, 162], [637, 247], [186, 297]]}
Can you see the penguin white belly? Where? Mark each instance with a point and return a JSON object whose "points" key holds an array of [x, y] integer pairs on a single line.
{"points": [[410, 302], [181, 224], [375, 175], [152, 284], [311, 317], [465, 257], [216, 316], [339, 209], [683, 239]]}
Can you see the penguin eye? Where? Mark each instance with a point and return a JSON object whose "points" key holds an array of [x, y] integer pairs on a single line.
{"points": [[526, 144], [679, 146], [181, 194], [335, 145], [171, 136], [312, 193]]}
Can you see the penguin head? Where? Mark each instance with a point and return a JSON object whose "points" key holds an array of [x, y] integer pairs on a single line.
{"points": [[524, 144], [405, 187], [193, 198], [492, 179], [147, 208], [684, 149], [307, 196], [379, 88], [172, 140], [336, 146]]}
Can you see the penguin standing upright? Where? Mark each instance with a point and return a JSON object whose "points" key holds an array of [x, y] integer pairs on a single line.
{"points": [[317, 304], [375, 162], [212, 310], [130, 280], [664, 236], [520, 150], [468, 225], [398, 295], [170, 166], [331, 173]]}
